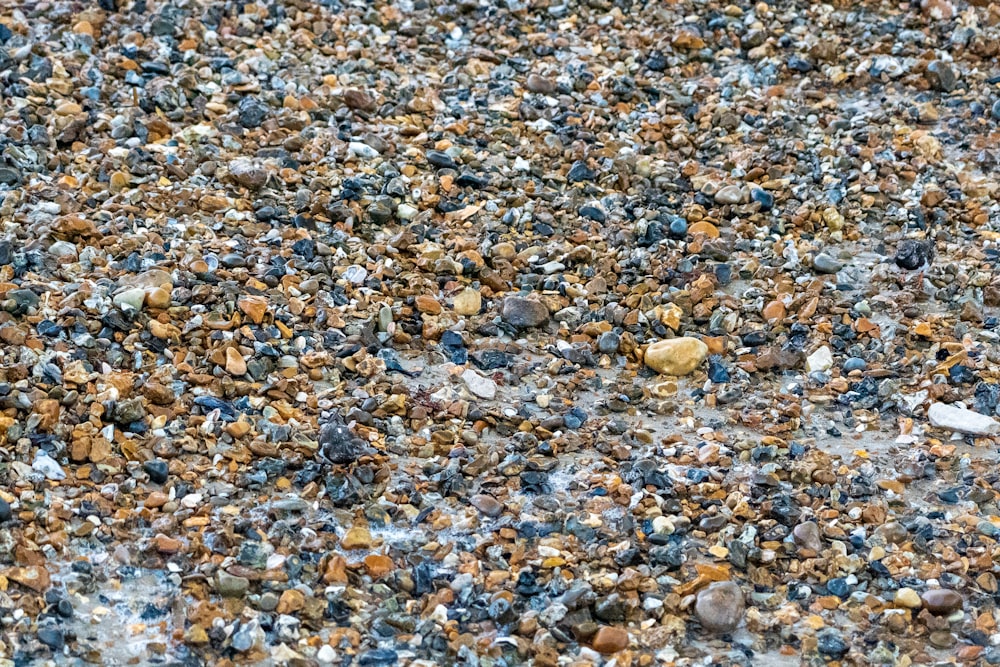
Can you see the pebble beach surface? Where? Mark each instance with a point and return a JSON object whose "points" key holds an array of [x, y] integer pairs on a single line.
{"points": [[499, 333]]}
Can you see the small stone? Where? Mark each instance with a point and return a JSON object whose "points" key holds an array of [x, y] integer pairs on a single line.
{"points": [[907, 597], [941, 76], [593, 211], [248, 173], [378, 566], [156, 469], [728, 195], [524, 313], [676, 356], [235, 364], [167, 545], [468, 302], [34, 577], [855, 364], [441, 160], [52, 637], [130, 299], [762, 197], [488, 505], [539, 84], [326, 654], [428, 304], [807, 535], [911, 255], [941, 601], [609, 639], [359, 99], [254, 307], [5, 512], [338, 444], [480, 386], [357, 537], [291, 601], [820, 360], [954, 418], [608, 342], [230, 586], [824, 263], [719, 607]]}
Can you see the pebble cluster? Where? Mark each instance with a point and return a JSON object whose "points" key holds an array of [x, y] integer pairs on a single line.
{"points": [[544, 332]]}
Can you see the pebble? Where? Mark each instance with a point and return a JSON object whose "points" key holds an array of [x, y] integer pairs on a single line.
{"points": [[807, 535], [824, 263], [231, 586], [963, 420], [720, 607], [907, 597], [609, 639], [524, 313], [676, 356], [480, 386], [608, 342], [157, 470], [468, 302], [487, 505], [941, 601]]}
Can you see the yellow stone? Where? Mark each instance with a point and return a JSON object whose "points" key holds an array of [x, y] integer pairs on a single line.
{"points": [[676, 356], [358, 537], [468, 302], [253, 307]]}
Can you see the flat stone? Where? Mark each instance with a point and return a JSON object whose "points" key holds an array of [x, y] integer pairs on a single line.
{"points": [[488, 505], [480, 386], [235, 365], [231, 586], [962, 420], [820, 360], [34, 577]]}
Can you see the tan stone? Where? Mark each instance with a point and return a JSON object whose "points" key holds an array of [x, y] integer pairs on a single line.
{"points": [[358, 537], [676, 356], [428, 304], [468, 302], [34, 577], [235, 365], [291, 600], [610, 640], [254, 307]]}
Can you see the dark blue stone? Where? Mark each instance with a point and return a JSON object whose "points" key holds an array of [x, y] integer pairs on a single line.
{"points": [[762, 197]]}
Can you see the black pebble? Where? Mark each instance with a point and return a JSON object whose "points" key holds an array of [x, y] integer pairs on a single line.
{"points": [[156, 469], [911, 255]]}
